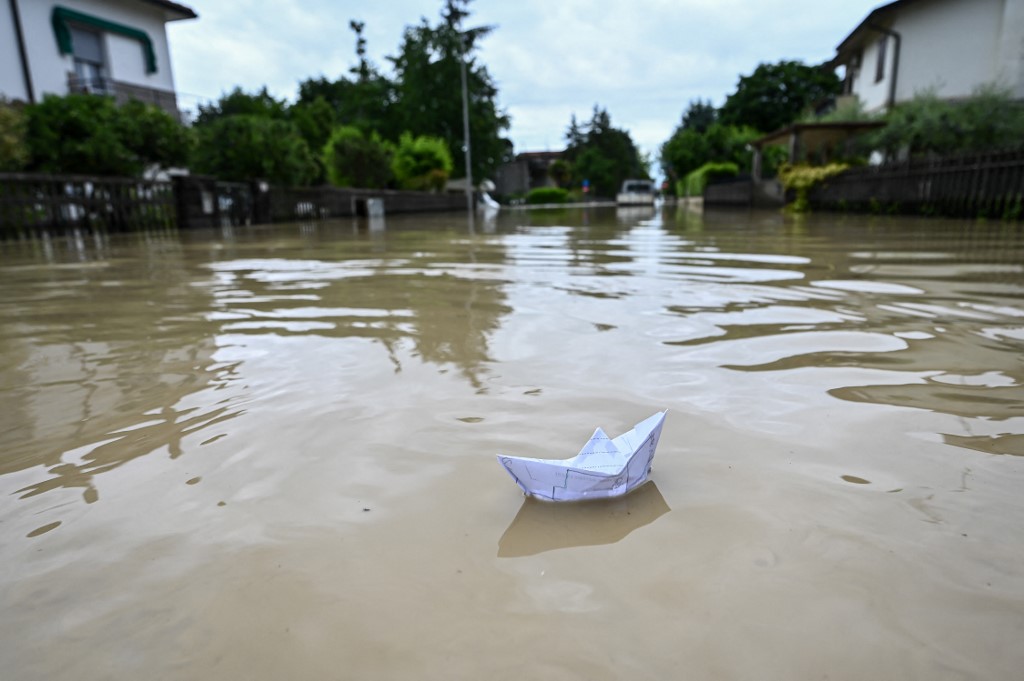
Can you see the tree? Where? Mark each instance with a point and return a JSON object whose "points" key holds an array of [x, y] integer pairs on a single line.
{"points": [[429, 92], [421, 163], [775, 95], [355, 160], [91, 135], [239, 102], [602, 154], [699, 116], [249, 146], [687, 150]]}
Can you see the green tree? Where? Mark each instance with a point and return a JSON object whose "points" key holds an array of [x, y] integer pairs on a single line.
{"points": [[775, 95], [429, 91], [355, 160], [14, 152], [687, 150], [237, 102], [92, 135], [602, 154], [365, 99], [699, 116], [248, 146], [421, 163]]}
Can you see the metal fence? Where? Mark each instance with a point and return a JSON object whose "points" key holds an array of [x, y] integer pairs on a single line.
{"points": [[980, 185], [76, 201]]}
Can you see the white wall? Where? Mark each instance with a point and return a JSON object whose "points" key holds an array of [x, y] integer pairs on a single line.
{"points": [[126, 60], [948, 46], [12, 82]]}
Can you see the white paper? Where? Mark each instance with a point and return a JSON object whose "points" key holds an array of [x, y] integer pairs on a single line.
{"points": [[605, 467]]}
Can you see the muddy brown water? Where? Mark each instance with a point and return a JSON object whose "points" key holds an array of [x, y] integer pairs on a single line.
{"points": [[267, 453]]}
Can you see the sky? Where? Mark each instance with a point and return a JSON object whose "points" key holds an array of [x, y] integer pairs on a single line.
{"points": [[642, 60]]}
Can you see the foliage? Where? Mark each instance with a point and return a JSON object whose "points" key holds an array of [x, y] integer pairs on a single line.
{"points": [[602, 154], [801, 178], [988, 120], [561, 172], [14, 152], [547, 195], [91, 135], [247, 146], [775, 95], [355, 160], [240, 103], [421, 163], [699, 116], [693, 184], [687, 150], [428, 90]]}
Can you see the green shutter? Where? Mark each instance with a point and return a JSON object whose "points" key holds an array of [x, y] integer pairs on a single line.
{"points": [[62, 15]]}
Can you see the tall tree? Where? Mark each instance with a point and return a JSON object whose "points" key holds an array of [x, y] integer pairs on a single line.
{"points": [[775, 95], [699, 116], [429, 89], [602, 154]]}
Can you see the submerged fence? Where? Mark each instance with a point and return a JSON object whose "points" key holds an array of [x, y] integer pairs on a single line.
{"points": [[63, 202], [981, 185]]}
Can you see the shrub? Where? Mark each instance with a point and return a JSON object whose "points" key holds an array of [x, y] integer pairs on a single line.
{"points": [[421, 163], [91, 134], [246, 147], [693, 184], [547, 195], [354, 160], [14, 152], [801, 178]]}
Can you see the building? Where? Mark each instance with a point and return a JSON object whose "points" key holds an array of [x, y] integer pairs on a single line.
{"points": [[112, 47], [529, 170], [950, 47]]}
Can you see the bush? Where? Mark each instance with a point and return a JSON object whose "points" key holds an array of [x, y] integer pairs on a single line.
{"points": [[988, 120], [693, 184], [801, 178], [247, 147], [353, 160], [421, 163], [14, 152], [92, 135], [547, 195]]}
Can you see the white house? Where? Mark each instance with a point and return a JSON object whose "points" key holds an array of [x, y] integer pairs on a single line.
{"points": [[115, 47], [948, 46]]}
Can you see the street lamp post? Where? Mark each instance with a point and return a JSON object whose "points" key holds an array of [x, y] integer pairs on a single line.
{"points": [[465, 130]]}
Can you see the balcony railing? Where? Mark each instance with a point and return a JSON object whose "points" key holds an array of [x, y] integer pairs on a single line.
{"points": [[122, 92]]}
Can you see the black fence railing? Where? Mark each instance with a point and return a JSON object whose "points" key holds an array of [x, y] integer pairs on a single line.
{"points": [[64, 202], [979, 185]]}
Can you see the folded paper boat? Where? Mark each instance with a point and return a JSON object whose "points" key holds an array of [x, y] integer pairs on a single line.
{"points": [[605, 467]]}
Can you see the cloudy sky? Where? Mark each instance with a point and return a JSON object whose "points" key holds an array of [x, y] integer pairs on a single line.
{"points": [[643, 60]]}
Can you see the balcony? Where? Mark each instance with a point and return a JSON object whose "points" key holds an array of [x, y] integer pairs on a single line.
{"points": [[122, 92]]}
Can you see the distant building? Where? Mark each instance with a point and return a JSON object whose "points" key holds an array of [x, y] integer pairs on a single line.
{"points": [[948, 46], [111, 47], [529, 170]]}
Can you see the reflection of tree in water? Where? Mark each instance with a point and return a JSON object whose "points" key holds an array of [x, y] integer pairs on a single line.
{"points": [[103, 342], [442, 300]]}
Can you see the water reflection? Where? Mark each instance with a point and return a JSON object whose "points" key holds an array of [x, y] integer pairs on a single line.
{"points": [[545, 526]]}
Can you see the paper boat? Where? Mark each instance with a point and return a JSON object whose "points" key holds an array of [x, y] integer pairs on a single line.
{"points": [[605, 467]]}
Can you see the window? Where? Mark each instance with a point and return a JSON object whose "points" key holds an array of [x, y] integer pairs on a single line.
{"points": [[87, 49], [883, 43]]}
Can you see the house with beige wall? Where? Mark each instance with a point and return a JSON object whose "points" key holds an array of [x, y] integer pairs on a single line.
{"points": [[112, 47], [949, 47]]}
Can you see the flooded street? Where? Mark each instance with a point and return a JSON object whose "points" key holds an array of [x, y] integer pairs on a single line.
{"points": [[269, 452]]}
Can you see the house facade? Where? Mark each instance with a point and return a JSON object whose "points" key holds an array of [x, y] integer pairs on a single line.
{"points": [[950, 47], [111, 47]]}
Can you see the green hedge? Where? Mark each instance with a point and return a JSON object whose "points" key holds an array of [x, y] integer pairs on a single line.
{"points": [[547, 195], [694, 183]]}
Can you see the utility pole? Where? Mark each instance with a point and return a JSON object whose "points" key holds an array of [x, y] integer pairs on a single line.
{"points": [[465, 130]]}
